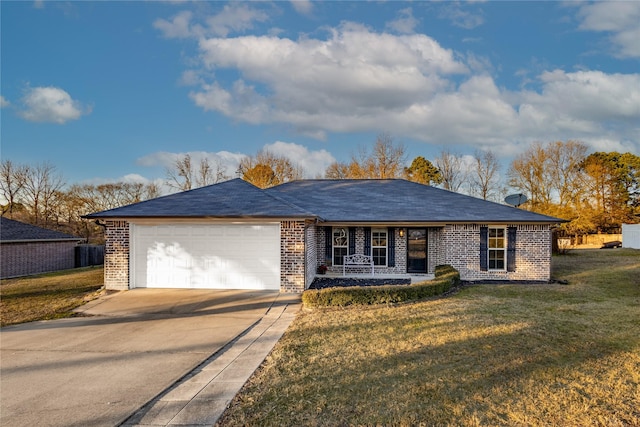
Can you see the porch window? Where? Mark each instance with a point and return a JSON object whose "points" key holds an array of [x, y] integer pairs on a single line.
{"points": [[379, 246], [340, 242], [497, 249]]}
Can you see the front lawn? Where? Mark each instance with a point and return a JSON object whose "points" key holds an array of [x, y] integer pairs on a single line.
{"points": [[47, 296], [507, 355]]}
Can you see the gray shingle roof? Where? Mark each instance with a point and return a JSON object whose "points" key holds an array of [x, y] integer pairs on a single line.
{"points": [[396, 200], [230, 199], [382, 201], [16, 231]]}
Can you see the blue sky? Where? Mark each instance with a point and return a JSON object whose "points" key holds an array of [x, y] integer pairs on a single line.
{"points": [[111, 91]]}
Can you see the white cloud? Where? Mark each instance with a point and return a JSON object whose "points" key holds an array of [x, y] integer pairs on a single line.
{"points": [[304, 7], [132, 178], [317, 85], [620, 18], [593, 95], [4, 102], [313, 163], [51, 104], [460, 17], [357, 80], [235, 17], [178, 27], [405, 23], [191, 78]]}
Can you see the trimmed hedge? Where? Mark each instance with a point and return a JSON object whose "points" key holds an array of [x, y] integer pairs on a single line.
{"points": [[446, 277]]}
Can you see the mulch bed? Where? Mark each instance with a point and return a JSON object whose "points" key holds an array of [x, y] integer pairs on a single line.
{"points": [[333, 282]]}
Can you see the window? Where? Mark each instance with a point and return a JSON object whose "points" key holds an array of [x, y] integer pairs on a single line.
{"points": [[497, 249], [379, 246], [340, 244]]}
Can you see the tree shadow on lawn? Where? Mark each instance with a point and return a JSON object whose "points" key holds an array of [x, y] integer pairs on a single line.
{"points": [[443, 382]]}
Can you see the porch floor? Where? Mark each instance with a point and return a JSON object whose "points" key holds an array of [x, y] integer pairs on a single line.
{"points": [[330, 280]]}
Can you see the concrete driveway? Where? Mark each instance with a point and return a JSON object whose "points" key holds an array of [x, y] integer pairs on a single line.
{"points": [[98, 370]]}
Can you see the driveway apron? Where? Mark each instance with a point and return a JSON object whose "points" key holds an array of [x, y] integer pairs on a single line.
{"points": [[99, 369]]}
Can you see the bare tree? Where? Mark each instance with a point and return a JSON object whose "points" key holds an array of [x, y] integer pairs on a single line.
{"points": [[81, 199], [530, 172], [566, 174], [267, 169], [386, 160], [185, 175], [180, 174], [42, 186], [111, 195], [261, 175], [12, 182], [337, 170], [452, 170], [485, 175]]}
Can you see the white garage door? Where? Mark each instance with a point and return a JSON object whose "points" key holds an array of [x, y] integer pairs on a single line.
{"points": [[234, 256]]}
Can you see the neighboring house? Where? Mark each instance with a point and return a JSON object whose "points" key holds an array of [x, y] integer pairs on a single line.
{"points": [[26, 249], [235, 235]]}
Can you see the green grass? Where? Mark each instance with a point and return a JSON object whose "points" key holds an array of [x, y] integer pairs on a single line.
{"points": [[47, 296], [529, 355]]}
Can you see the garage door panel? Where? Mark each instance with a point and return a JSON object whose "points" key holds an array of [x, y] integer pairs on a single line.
{"points": [[206, 256]]}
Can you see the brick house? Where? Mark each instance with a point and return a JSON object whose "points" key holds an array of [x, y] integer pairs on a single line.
{"points": [[26, 249], [235, 235]]}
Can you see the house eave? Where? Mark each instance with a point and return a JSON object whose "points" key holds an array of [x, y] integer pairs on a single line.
{"points": [[427, 223], [200, 218], [77, 239]]}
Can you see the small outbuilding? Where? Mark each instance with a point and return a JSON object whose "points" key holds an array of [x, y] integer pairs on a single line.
{"points": [[26, 249], [631, 236]]}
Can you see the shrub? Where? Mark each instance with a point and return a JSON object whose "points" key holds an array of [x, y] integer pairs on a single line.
{"points": [[446, 277]]}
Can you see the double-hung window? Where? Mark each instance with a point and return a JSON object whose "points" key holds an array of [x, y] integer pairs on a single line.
{"points": [[379, 246], [497, 249], [340, 240]]}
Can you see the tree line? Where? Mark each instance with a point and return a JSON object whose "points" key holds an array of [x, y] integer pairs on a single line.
{"points": [[593, 192], [39, 195]]}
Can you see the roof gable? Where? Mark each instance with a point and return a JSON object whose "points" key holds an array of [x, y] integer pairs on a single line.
{"points": [[14, 231], [229, 199]]}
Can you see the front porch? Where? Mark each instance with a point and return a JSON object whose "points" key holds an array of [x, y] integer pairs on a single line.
{"points": [[330, 280]]}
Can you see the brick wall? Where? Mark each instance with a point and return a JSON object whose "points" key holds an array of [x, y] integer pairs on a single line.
{"points": [[458, 245], [461, 244], [401, 254], [435, 252], [22, 259], [311, 242], [116, 255], [292, 256]]}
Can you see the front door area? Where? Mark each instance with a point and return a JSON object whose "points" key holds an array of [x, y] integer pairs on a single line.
{"points": [[416, 250]]}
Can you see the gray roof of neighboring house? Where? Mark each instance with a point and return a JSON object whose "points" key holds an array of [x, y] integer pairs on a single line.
{"points": [[229, 199], [16, 231], [396, 200], [370, 200]]}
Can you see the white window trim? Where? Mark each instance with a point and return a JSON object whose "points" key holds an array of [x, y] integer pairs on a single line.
{"points": [[503, 249], [385, 247], [333, 245]]}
